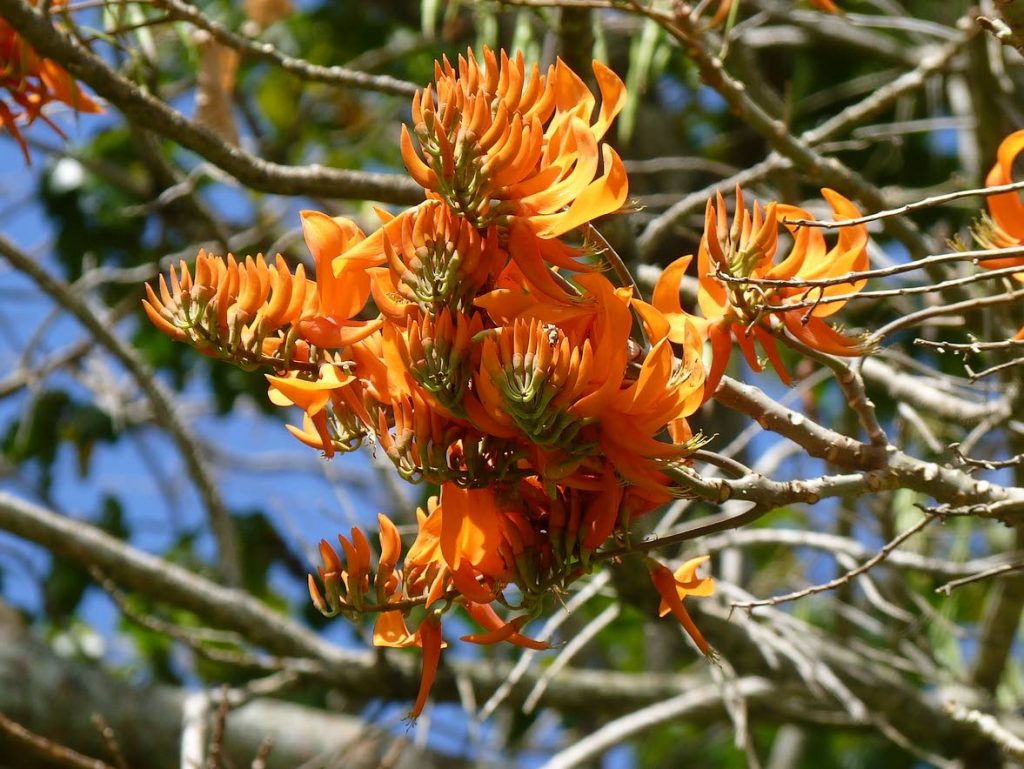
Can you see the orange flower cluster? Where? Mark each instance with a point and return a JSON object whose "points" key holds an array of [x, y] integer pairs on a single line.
{"points": [[730, 261], [31, 82], [545, 402], [1006, 227]]}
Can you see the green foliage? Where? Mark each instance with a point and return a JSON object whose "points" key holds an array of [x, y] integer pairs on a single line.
{"points": [[54, 417]]}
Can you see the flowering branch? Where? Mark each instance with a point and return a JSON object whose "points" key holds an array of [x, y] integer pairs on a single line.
{"points": [[138, 105]]}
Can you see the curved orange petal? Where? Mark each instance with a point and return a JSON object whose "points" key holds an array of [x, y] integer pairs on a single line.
{"points": [[430, 640], [1007, 209], [602, 196]]}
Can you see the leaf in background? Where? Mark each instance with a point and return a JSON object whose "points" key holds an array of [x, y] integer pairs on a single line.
{"points": [[641, 60], [523, 38], [486, 27], [218, 70], [67, 582], [266, 12], [136, 17], [429, 11]]}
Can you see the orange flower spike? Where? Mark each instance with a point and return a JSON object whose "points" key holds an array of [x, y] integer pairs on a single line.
{"points": [[332, 574], [431, 641], [494, 164], [668, 588]]}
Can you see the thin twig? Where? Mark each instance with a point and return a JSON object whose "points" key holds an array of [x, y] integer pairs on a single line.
{"points": [[976, 375], [995, 571], [48, 748], [140, 106], [110, 740], [987, 725], [880, 272], [988, 464], [956, 308], [975, 347], [336, 75], [936, 200], [845, 578], [162, 402]]}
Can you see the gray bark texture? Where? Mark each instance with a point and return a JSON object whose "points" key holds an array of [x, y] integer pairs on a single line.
{"points": [[57, 698]]}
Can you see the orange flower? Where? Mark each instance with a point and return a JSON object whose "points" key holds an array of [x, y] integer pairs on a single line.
{"points": [[436, 259], [339, 300], [745, 311], [501, 142], [531, 377], [1006, 229], [32, 82], [559, 376], [503, 367], [327, 424], [498, 630], [673, 588], [237, 309], [474, 530], [229, 307], [431, 641], [663, 395], [426, 572], [437, 353], [1006, 209]]}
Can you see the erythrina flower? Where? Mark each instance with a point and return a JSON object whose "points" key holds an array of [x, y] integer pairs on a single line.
{"points": [[238, 309], [745, 311], [548, 404], [474, 530], [1006, 228], [437, 259], [500, 142], [1006, 209], [662, 395], [674, 587], [31, 82]]}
